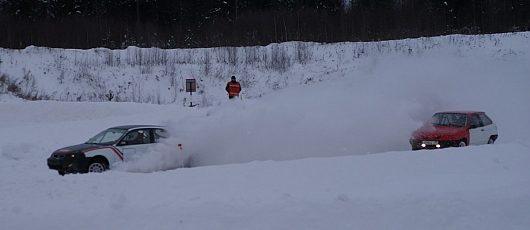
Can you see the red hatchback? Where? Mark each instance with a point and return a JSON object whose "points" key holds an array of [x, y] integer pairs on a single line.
{"points": [[455, 129]]}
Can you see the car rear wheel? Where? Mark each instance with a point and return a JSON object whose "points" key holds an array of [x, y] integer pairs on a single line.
{"points": [[491, 140], [462, 143], [97, 166]]}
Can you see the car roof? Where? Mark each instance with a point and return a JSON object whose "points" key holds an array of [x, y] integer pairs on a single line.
{"points": [[462, 112], [129, 127]]}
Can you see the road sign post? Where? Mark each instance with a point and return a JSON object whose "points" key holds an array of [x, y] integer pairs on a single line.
{"points": [[191, 87]]}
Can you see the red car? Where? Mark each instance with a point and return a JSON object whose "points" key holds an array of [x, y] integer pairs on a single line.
{"points": [[455, 129]]}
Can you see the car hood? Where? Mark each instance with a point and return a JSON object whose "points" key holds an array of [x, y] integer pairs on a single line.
{"points": [[436, 132], [75, 149]]}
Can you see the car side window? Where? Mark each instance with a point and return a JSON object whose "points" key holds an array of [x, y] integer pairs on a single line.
{"points": [[159, 134], [137, 137], [485, 119], [475, 121]]}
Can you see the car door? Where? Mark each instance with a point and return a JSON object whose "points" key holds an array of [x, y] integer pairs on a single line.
{"points": [[490, 129], [476, 130], [135, 143]]}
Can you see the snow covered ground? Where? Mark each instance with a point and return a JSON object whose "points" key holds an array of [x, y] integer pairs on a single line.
{"points": [[302, 156]]}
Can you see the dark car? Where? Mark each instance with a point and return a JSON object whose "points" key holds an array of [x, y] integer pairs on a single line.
{"points": [[100, 152]]}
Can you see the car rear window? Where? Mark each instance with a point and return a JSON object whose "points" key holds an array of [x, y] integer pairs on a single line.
{"points": [[485, 119], [160, 134], [475, 121]]}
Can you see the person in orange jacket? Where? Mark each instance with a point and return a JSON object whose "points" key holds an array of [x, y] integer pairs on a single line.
{"points": [[233, 88]]}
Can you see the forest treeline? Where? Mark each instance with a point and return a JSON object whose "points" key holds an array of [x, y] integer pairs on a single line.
{"points": [[211, 23]]}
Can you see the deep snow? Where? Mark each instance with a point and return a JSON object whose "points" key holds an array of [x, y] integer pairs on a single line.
{"points": [[295, 158]]}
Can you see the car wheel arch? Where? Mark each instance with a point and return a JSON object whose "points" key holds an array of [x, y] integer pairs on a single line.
{"points": [[492, 138], [98, 158], [111, 154], [463, 140]]}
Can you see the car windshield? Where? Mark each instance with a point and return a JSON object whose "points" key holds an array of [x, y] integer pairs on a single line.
{"points": [[449, 119], [108, 136]]}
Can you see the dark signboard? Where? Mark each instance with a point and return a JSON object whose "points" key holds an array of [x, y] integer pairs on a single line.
{"points": [[191, 85]]}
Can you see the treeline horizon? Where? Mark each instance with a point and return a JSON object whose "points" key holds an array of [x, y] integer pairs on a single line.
{"points": [[117, 24]]}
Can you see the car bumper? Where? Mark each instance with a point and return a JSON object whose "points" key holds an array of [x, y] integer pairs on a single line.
{"points": [[68, 164], [417, 144]]}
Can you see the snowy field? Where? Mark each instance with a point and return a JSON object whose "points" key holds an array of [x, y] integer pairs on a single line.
{"points": [[332, 154]]}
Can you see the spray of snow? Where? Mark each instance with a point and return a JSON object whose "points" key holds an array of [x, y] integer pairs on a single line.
{"points": [[166, 155], [372, 110]]}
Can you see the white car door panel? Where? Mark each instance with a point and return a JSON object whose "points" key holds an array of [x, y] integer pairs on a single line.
{"points": [[489, 130], [483, 135], [135, 143], [131, 152], [477, 131], [475, 136]]}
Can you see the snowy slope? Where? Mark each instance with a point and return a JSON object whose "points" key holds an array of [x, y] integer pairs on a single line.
{"points": [[157, 76], [298, 157]]}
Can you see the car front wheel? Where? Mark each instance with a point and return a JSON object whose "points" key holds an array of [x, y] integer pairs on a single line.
{"points": [[462, 143], [97, 166]]}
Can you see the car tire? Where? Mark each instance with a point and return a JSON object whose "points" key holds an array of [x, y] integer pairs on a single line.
{"points": [[491, 140], [462, 143], [97, 165]]}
